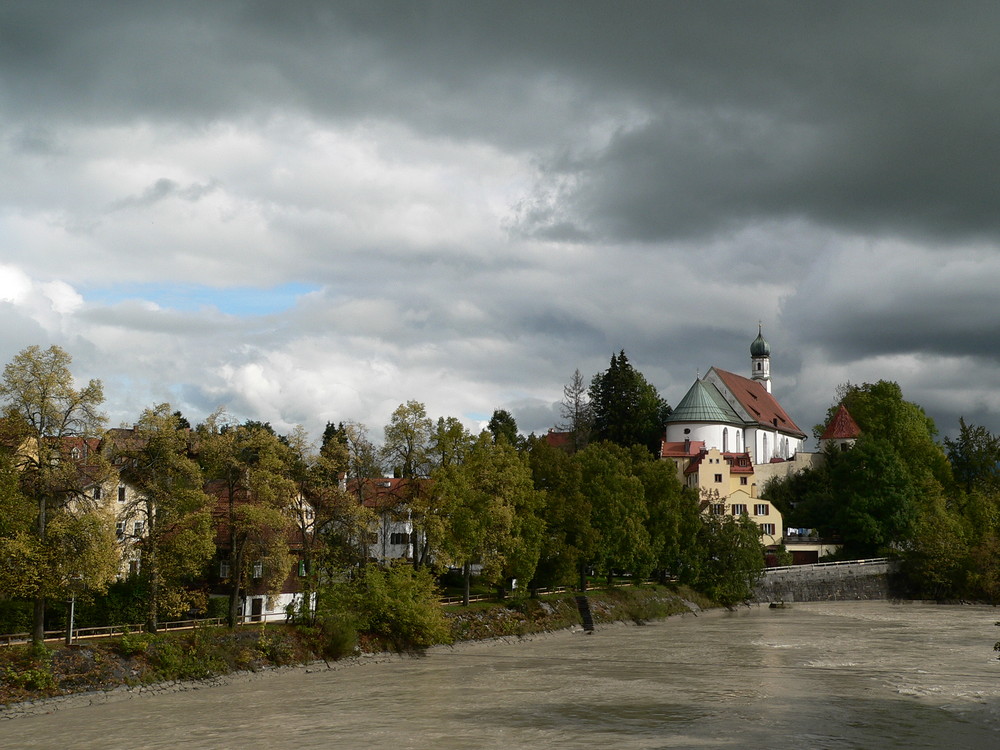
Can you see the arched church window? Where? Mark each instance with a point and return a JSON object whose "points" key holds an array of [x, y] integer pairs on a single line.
{"points": [[725, 439]]}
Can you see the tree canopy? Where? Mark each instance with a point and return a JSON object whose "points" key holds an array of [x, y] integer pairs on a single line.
{"points": [[503, 426], [627, 410], [170, 506], [881, 412], [51, 418]]}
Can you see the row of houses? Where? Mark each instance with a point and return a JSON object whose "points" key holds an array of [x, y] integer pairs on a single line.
{"points": [[727, 438], [390, 534]]}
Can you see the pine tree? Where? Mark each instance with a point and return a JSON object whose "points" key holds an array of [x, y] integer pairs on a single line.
{"points": [[627, 409]]}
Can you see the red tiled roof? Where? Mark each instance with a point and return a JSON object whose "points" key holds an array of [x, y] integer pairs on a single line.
{"points": [[759, 404], [739, 463], [841, 427], [382, 492], [559, 439], [681, 449], [693, 466]]}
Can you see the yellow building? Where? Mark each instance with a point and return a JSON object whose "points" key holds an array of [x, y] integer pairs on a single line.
{"points": [[726, 485]]}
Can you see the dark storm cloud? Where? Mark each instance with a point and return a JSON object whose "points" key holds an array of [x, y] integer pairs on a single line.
{"points": [[489, 195], [868, 116]]}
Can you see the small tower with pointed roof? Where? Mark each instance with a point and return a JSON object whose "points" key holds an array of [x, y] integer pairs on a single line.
{"points": [[760, 359], [841, 431]]}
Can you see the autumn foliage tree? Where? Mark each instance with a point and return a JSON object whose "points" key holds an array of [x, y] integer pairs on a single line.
{"points": [[247, 466], [171, 505], [48, 417]]}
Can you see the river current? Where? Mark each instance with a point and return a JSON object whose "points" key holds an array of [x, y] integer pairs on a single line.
{"points": [[818, 675]]}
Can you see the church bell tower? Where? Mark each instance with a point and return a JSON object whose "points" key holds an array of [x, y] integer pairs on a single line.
{"points": [[760, 359]]}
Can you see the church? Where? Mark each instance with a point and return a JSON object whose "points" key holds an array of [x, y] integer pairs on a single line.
{"points": [[735, 414], [728, 436]]}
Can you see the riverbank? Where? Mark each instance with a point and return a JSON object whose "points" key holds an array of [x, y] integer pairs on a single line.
{"points": [[138, 664]]}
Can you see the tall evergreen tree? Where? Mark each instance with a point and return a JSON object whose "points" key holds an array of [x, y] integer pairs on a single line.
{"points": [[975, 458], [503, 426], [627, 409]]}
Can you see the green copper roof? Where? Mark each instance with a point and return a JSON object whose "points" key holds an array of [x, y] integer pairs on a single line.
{"points": [[704, 403], [759, 347]]}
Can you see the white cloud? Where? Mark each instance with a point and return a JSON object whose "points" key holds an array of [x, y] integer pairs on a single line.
{"points": [[14, 284]]}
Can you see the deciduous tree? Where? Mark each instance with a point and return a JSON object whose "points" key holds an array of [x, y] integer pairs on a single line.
{"points": [[407, 441], [731, 558], [48, 413], [328, 522], [490, 513], [169, 502], [570, 536], [248, 466], [619, 513], [881, 412]]}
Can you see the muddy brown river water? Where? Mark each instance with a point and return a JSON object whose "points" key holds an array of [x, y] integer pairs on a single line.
{"points": [[826, 675]]}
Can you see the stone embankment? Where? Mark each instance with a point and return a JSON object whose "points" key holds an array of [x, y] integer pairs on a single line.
{"points": [[857, 580]]}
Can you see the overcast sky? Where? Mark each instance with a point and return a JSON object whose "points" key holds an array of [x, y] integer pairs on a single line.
{"points": [[314, 211]]}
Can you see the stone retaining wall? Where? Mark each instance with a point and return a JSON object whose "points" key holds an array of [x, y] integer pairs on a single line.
{"points": [[819, 583]]}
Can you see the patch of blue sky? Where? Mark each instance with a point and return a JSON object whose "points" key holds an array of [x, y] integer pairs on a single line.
{"points": [[240, 301]]}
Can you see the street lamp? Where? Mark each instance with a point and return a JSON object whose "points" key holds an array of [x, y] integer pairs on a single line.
{"points": [[75, 582]]}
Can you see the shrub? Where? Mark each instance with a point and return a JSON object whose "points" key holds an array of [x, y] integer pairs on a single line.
{"points": [[132, 644], [396, 604], [31, 678]]}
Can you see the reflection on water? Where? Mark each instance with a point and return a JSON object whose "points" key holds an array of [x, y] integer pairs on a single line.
{"points": [[830, 675]]}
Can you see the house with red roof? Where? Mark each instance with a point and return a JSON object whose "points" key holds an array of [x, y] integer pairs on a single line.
{"points": [[392, 535]]}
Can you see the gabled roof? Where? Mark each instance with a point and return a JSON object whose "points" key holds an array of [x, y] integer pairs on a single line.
{"points": [[841, 426], [758, 403], [704, 403], [681, 449]]}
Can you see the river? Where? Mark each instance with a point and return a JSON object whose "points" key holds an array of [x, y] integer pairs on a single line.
{"points": [[818, 675]]}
